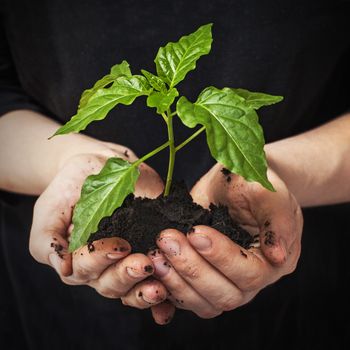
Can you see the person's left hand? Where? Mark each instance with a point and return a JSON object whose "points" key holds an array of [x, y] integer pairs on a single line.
{"points": [[206, 272]]}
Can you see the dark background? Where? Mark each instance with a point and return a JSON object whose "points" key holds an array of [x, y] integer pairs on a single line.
{"points": [[52, 50]]}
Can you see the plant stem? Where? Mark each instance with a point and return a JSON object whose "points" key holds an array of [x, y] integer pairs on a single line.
{"points": [[189, 139], [174, 113], [172, 152], [150, 154], [165, 117]]}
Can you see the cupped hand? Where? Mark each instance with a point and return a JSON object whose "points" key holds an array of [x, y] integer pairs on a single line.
{"points": [[107, 264], [206, 272]]}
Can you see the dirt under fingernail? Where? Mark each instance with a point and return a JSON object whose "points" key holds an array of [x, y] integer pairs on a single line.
{"points": [[149, 268], [91, 247]]}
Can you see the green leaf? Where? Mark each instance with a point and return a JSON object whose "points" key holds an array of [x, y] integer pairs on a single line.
{"points": [[117, 71], [175, 60], [234, 135], [257, 99], [100, 196], [162, 100], [121, 69], [124, 91], [156, 82]]}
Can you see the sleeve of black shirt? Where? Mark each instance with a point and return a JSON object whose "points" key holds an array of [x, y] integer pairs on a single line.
{"points": [[12, 96]]}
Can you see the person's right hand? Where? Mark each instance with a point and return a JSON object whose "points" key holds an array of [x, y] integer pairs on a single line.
{"points": [[108, 267]]}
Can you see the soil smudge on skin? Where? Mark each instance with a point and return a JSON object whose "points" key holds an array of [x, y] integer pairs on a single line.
{"points": [[58, 249], [140, 220], [243, 254], [148, 269], [270, 238], [227, 173], [91, 247]]}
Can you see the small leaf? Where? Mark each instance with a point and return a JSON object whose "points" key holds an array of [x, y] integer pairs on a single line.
{"points": [[162, 100], [117, 71], [121, 69], [234, 135], [124, 91], [156, 82], [100, 196], [257, 99], [175, 60]]}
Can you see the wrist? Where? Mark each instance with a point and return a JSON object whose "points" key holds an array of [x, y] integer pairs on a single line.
{"points": [[287, 165]]}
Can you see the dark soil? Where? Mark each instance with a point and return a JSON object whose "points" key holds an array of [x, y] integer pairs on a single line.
{"points": [[140, 220]]}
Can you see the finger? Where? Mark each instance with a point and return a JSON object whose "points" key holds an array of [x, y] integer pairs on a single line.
{"points": [[145, 294], [163, 313], [180, 292], [92, 259], [149, 183], [202, 276], [119, 278], [246, 268]]}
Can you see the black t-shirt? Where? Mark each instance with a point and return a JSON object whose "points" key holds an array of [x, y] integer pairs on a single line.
{"points": [[52, 50]]}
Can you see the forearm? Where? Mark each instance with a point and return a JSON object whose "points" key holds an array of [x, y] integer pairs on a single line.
{"points": [[316, 164], [28, 160]]}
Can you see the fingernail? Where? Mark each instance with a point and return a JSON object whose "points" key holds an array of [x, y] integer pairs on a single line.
{"points": [[161, 267], [200, 242], [146, 299], [55, 261], [169, 246], [114, 256], [132, 272], [149, 269]]}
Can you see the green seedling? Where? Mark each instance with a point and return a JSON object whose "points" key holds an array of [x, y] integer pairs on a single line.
{"points": [[228, 117]]}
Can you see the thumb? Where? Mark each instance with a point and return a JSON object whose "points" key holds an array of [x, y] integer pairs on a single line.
{"points": [[204, 191], [149, 183]]}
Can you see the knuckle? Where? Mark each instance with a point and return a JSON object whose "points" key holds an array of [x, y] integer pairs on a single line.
{"points": [[191, 271], [208, 314], [124, 301], [108, 293], [176, 286], [251, 283], [84, 274], [70, 281], [229, 303], [186, 268]]}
